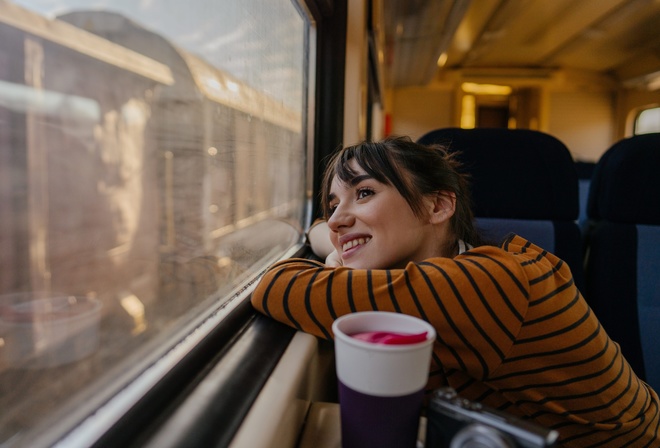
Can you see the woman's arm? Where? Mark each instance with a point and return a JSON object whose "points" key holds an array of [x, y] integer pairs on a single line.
{"points": [[476, 302]]}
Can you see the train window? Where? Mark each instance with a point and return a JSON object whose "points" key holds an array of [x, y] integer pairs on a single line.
{"points": [[648, 121], [152, 161]]}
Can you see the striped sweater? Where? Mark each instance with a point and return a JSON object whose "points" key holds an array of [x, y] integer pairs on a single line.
{"points": [[513, 332]]}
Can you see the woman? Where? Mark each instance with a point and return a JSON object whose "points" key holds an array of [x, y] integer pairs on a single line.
{"points": [[513, 331]]}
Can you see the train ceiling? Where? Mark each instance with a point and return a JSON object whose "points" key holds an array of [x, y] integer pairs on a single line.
{"points": [[620, 38]]}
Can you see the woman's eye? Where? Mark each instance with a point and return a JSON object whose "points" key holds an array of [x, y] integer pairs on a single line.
{"points": [[364, 192], [331, 209]]}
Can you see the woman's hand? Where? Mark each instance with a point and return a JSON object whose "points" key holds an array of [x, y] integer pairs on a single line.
{"points": [[319, 239], [333, 260]]}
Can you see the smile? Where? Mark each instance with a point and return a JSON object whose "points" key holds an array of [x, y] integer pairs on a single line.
{"points": [[354, 243]]}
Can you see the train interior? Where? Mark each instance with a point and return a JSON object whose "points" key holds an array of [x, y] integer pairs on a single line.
{"points": [[153, 165]]}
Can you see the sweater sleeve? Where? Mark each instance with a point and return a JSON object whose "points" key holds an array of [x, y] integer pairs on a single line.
{"points": [[476, 301]]}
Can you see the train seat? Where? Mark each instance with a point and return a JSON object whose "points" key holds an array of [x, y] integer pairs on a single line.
{"points": [[585, 171], [623, 253], [523, 181]]}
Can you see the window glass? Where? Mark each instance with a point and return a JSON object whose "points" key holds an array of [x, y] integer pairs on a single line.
{"points": [[152, 158], [648, 121]]}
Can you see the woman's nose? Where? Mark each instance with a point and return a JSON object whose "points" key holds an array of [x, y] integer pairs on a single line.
{"points": [[341, 217]]}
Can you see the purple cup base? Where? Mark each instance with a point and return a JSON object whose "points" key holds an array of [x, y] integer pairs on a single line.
{"points": [[379, 422]]}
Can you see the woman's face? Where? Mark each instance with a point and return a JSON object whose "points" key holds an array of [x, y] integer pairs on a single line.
{"points": [[373, 227]]}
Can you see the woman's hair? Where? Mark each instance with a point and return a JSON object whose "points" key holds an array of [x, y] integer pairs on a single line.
{"points": [[415, 170]]}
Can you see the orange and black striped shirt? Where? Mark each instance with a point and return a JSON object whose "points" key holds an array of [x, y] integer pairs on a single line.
{"points": [[513, 332]]}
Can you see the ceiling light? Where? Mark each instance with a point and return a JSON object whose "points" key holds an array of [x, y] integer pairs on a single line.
{"points": [[485, 89]]}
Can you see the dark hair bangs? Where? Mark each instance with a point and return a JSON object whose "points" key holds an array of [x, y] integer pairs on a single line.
{"points": [[370, 157]]}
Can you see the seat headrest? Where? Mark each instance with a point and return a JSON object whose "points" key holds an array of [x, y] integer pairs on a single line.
{"points": [[625, 187], [515, 173]]}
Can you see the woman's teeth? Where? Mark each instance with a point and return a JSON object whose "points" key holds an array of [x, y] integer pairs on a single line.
{"points": [[354, 243]]}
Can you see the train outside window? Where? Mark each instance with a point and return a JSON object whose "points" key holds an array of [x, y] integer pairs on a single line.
{"points": [[152, 159]]}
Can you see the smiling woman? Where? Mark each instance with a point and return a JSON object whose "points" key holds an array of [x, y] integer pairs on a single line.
{"points": [[513, 330]]}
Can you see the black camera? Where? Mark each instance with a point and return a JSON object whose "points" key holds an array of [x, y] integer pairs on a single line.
{"points": [[454, 422]]}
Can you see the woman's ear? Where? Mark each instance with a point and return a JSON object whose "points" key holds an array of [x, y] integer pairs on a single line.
{"points": [[444, 206]]}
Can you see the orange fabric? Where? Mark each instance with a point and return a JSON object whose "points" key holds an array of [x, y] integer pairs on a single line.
{"points": [[513, 333]]}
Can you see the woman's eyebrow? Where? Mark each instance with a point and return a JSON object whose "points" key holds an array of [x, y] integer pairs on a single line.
{"points": [[352, 182], [357, 179]]}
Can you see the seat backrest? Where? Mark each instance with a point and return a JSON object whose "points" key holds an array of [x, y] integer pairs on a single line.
{"points": [[623, 253], [523, 181], [585, 171]]}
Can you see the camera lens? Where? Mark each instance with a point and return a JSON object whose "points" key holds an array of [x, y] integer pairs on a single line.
{"points": [[480, 436]]}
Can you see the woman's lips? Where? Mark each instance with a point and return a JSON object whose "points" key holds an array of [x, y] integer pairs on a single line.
{"points": [[350, 246]]}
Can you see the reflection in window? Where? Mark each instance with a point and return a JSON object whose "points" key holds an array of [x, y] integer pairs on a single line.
{"points": [[648, 121], [151, 160]]}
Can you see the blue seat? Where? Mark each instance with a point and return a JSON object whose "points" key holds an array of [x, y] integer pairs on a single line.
{"points": [[523, 181], [623, 254], [585, 171]]}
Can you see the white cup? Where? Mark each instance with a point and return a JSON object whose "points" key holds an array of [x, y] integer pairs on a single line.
{"points": [[381, 386]]}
